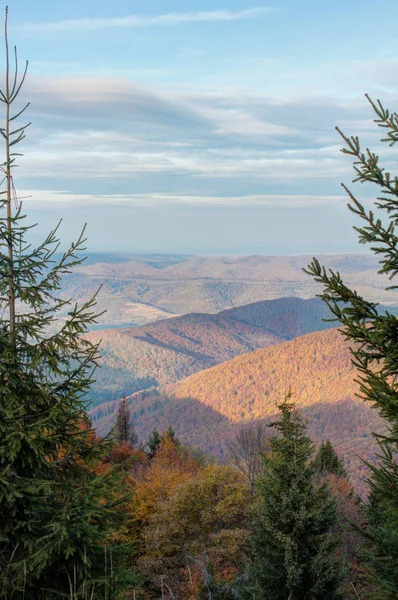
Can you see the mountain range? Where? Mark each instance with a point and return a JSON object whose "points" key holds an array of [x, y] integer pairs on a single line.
{"points": [[163, 352]]}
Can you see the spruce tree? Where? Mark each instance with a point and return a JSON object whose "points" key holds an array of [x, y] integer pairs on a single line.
{"points": [[125, 428], [156, 440], [293, 547], [154, 443], [373, 336], [57, 515], [326, 461]]}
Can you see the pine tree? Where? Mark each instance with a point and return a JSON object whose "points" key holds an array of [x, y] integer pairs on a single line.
{"points": [[374, 344], [57, 515], [327, 462], [125, 428], [293, 548]]}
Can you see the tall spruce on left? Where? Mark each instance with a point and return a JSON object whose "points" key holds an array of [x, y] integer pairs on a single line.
{"points": [[57, 515]]}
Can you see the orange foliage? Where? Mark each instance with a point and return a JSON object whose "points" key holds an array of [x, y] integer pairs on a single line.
{"points": [[168, 350], [156, 482], [206, 409], [125, 453], [351, 540]]}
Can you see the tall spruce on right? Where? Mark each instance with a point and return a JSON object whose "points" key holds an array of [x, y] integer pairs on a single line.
{"points": [[374, 344], [293, 547]]}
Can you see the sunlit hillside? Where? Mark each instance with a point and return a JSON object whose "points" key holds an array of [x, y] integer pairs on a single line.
{"points": [[171, 349], [206, 409]]}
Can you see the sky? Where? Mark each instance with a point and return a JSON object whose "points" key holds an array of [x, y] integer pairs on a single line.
{"points": [[184, 127]]}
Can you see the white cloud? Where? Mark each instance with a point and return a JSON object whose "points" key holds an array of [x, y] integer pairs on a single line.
{"points": [[133, 21]]}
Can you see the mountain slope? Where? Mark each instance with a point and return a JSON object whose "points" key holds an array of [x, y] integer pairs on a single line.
{"points": [[207, 408], [169, 350]]}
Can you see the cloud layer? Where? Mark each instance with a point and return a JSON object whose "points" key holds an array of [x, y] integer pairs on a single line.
{"points": [[114, 136], [200, 122]]}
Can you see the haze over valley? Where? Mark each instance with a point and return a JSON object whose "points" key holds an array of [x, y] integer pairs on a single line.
{"points": [[135, 290]]}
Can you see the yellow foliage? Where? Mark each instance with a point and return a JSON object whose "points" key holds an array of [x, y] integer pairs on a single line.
{"points": [[156, 482]]}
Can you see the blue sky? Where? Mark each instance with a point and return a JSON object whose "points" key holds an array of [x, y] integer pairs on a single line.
{"points": [[180, 126]]}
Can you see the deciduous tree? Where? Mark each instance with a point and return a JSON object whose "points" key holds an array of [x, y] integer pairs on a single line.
{"points": [[197, 537], [247, 451]]}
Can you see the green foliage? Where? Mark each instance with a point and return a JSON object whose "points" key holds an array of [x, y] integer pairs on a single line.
{"points": [[57, 513], [154, 443], [171, 435], [374, 344], [156, 440], [293, 546], [327, 462]]}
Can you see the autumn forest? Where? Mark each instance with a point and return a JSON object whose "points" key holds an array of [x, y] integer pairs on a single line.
{"points": [[228, 429]]}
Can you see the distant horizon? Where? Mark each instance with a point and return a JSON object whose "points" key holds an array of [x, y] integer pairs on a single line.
{"points": [[219, 254]]}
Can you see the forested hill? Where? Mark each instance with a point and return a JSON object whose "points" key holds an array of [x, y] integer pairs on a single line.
{"points": [[163, 352], [207, 408], [284, 317]]}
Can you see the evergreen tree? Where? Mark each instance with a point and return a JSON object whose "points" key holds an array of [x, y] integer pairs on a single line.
{"points": [[293, 548], [156, 440], [326, 461], [57, 515], [374, 344], [154, 443], [125, 428], [171, 435]]}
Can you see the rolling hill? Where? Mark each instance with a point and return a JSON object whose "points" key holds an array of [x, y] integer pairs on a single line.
{"points": [[207, 408], [168, 350], [140, 289]]}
